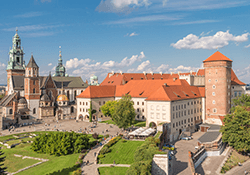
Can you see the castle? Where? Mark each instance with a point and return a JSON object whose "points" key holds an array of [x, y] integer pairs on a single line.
{"points": [[31, 97], [175, 102]]}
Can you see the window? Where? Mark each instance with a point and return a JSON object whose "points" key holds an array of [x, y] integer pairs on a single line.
{"points": [[157, 115], [179, 123], [173, 125], [191, 119], [194, 118], [191, 103], [235, 94], [138, 116], [214, 110], [29, 72], [34, 82], [138, 103], [239, 93], [10, 111], [188, 120], [185, 106], [157, 107], [104, 102], [143, 117], [194, 110], [138, 110], [216, 80], [185, 121], [185, 113], [142, 103], [100, 103], [46, 104], [176, 114], [176, 124], [213, 93], [152, 115], [191, 111], [188, 112], [82, 109], [214, 86], [176, 107], [181, 106], [182, 122], [173, 115], [34, 110], [152, 107], [213, 101], [72, 109], [173, 108], [164, 108], [142, 109], [34, 90], [164, 116], [195, 102], [209, 80], [86, 103], [181, 113], [188, 103], [82, 103]]}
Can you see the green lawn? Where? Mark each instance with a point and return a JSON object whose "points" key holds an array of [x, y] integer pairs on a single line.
{"points": [[13, 163], [158, 134], [108, 121], [112, 170], [55, 165], [121, 153]]}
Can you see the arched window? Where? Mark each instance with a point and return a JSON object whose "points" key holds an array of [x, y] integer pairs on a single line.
{"points": [[72, 109], [75, 95], [34, 90], [34, 110], [10, 111]]}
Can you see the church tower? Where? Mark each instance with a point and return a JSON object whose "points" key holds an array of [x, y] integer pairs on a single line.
{"points": [[16, 64], [32, 87], [60, 69], [218, 87]]}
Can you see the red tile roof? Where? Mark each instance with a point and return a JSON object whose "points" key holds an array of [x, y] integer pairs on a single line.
{"points": [[159, 90], [120, 79], [201, 72], [217, 56], [235, 80], [98, 92], [202, 91]]}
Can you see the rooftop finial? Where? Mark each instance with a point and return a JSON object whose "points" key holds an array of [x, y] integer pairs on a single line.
{"points": [[16, 30], [60, 51]]}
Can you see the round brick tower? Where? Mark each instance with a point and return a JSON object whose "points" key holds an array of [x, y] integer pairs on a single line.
{"points": [[218, 87]]}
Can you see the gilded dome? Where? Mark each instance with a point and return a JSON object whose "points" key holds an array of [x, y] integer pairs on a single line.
{"points": [[62, 97]]}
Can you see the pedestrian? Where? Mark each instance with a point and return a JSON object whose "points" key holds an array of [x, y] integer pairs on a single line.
{"points": [[114, 162], [87, 162], [94, 154]]}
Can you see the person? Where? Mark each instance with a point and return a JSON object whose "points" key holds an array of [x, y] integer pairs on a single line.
{"points": [[94, 154], [114, 162], [87, 162]]}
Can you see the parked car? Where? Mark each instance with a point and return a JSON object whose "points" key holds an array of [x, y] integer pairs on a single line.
{"points": [[186, 138]]}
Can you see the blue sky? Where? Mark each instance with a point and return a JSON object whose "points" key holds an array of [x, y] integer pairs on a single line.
{"points": [[101, 36]]}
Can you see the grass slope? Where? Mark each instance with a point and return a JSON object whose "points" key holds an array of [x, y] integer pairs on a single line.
{"points": [[121, 153], [112, 170]]}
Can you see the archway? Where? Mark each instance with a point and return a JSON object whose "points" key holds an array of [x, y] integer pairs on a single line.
{"points": [[152, 124], [86, 117], [80, 117]]}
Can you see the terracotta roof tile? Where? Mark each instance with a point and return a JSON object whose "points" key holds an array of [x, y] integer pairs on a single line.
{"points": [[98, 92], [201, 72], [235, 80], [202, 91], [217, 56]]}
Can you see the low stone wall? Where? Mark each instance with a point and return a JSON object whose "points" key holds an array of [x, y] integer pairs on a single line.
{"points": [[160, 165]]}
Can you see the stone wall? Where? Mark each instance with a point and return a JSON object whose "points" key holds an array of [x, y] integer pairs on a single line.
{"points": [[160, 165]]}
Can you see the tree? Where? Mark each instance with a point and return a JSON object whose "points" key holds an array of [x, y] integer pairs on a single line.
{"points": [[90, 112], [243, 100], [236, 129], [124, 113], [2, 169], [108, 108]]}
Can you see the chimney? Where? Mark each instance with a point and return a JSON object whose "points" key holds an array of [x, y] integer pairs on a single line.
{"points": [[111, 74], [191, 72], [165, 84], [172, 73], [144, 73], [121, 72], [160, 73], [179, 72], [152, 73], [174, 79]]}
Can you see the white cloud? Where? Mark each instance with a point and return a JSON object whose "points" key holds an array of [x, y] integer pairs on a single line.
{"points": [[33, 27], [74, 63], [195, 22], [149, 18], [219, 40], [162, 68], [50, 64], [133, 34], [120, 5], [29, 15], [143, 65], [247, 46]]}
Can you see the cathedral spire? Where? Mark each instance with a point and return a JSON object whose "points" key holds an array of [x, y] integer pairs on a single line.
{"points": [[60, 69]]}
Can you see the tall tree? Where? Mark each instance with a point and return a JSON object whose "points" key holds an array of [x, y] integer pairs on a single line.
{"points": [[2, 168], [90, 112], [236, 129], [108, 108], [124, 113], [243, 100]]}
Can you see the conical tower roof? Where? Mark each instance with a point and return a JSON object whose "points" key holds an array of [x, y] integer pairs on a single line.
{"points": [[32, 63]]}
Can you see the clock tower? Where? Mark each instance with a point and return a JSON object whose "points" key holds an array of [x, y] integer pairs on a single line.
{"points": [[16, 64]]}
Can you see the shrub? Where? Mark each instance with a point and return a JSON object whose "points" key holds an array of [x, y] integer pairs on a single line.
{"points": [[105, 150], [106, 136], [77, 172], [95, 136], [123, 141], [60, 143], [101, 156]]}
